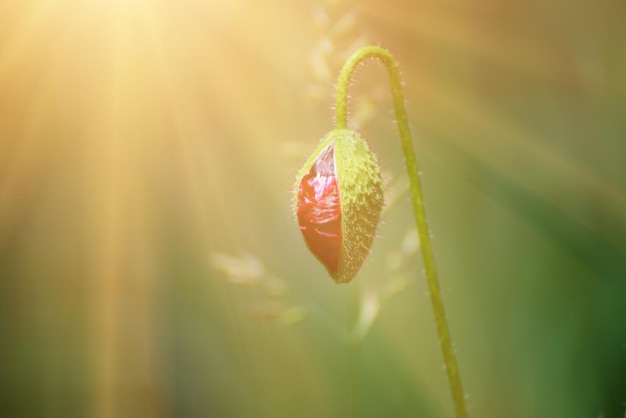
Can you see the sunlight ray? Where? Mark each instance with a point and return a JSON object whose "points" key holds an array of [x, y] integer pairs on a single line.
{"points": [[455, 29], [518, 142], [188, 134], [21, 163], [19, 29]]}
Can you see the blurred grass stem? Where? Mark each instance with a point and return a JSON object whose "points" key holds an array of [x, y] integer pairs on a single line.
{"points": [[341, 120]]}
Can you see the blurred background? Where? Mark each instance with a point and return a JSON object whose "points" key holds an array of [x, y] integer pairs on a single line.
{"points": [[150, 265]]}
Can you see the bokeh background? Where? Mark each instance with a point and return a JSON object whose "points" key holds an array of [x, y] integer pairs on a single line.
{"points": [[150, 265]]}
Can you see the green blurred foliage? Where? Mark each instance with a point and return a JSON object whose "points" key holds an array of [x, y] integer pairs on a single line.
{"points": [[111, 305]]}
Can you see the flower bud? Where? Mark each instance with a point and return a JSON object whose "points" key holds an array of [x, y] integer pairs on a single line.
{"points": [[338, 200]]}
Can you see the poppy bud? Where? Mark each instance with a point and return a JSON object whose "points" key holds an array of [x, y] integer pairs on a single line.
{"points": [[338, 200]]}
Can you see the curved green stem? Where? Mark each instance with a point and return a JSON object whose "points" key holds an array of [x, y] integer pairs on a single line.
{"points": [[341, 107]]}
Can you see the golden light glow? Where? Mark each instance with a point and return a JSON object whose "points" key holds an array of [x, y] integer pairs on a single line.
{"points": [[142, 140]]}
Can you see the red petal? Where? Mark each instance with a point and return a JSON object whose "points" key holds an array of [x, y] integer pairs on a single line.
{"points": [[319, 210]]}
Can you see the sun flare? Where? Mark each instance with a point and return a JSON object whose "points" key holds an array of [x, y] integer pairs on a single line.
{"points": [[150, 262]]}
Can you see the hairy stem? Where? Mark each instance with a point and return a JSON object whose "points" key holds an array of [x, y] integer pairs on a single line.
{"points": [[341, 110]]}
